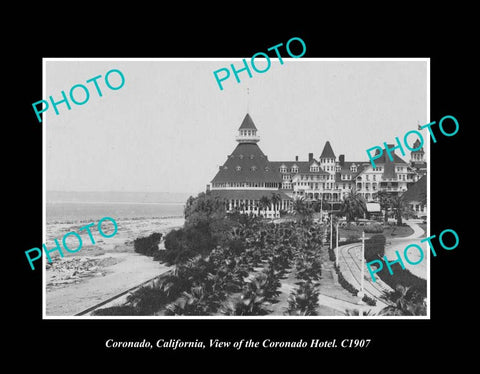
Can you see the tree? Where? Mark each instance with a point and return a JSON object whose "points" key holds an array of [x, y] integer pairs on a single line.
{"points": [[407, 302], [301, 209], [385, 202], [353, 206], [203, 207], [276, 200], [398, 206], [264, 203]]}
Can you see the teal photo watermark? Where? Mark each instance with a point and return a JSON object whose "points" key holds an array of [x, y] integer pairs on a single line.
{"points": [[223, 74], [406, 256], [79, 94], [389, 147], [37, 252]]}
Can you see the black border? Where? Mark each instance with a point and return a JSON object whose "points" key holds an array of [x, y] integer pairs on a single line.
{"points": [[449, 79]]}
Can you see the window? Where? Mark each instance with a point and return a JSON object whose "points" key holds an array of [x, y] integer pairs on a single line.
{"points": [[374, 177], [238, 168], [241, 157], [251, 157], [267, 168]]}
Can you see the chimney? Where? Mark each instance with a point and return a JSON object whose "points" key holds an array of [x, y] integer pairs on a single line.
{"points": [[341, 159], [296, 158], [391, 148], [310, 157]]}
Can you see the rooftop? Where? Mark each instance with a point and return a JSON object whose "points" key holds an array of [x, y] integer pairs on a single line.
{"points": [[247, 123]]}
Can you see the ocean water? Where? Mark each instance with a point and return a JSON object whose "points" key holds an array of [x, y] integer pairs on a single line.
{"points": [[76, 211]]}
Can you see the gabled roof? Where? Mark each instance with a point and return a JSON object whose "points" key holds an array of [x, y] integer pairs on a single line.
{"points": [[327, 151], [247, 123], [384, 159], [417, 191], [415, 146], [247, 156], [303, 166], [345, 170]]}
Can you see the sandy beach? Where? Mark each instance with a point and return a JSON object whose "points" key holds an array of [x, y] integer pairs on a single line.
{"points": [[96, 272]]}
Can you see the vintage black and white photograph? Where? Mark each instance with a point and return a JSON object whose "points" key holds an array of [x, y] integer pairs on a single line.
{"points": [[293, 189]]}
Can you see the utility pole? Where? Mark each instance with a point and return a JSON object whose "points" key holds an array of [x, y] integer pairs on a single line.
{"points": [[336, 249], [331, 230], [362, 276]]}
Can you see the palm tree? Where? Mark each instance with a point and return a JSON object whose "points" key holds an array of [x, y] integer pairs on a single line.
{"points": [[406, 303], [385, 203], [398, 207], [264, 203], [301, 209], [353, 206], [276, 200]]}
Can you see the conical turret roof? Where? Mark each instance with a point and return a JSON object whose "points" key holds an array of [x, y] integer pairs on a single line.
{"points": [[327, 151], [247, 123]]}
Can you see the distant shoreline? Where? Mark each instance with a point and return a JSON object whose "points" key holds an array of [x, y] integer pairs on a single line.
{"points": [[57, 222]]}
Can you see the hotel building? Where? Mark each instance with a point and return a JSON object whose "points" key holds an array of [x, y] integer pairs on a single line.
{"points": [[248, 175]]}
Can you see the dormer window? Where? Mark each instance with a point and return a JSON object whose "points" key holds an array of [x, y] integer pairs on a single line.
{"points": [[238, 168], [267, 168], [241, 157], [314, 167], [252, 157], [294, 169], [253, 168]]}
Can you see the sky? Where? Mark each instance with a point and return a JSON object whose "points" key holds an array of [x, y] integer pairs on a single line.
{"points": [[170, 127]]}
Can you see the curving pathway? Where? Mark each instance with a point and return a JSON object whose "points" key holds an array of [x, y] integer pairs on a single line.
{"points": [[399, 244], [349, 261]]}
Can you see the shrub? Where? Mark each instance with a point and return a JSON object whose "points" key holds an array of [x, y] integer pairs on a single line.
{"points": [[373, 228], [237, 246], [375, 247], [147, 300], [187, 242], [344, 283], [123, 310], [331, 254], [369, 300], [304, 300], [407, 302], [174, 240], [351, 238], [405, 278], [147, 246]]}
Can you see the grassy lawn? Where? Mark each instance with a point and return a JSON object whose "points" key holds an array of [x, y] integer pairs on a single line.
{"points": [[423, 226], [388, 231]]}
